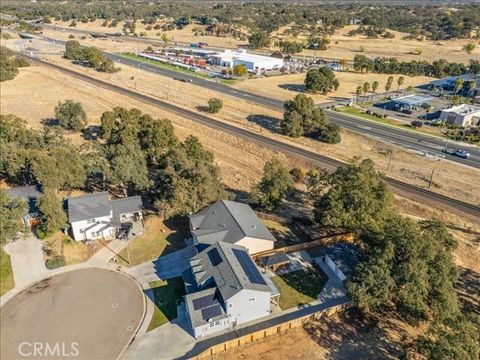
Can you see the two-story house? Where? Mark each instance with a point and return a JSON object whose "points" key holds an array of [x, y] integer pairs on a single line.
{"points": [[95, 216], [231, 222], [225, 288]]}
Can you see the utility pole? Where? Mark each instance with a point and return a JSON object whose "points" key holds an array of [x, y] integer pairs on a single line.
{"points": [[431, 178], [390, 159]]}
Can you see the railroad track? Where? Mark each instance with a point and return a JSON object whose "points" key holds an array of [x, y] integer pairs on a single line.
{"points": [[412, 192]]}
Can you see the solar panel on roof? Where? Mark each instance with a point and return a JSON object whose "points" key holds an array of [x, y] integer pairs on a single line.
{"points": [[249, 267], [214, 257], [211, 312], [204, 302]]}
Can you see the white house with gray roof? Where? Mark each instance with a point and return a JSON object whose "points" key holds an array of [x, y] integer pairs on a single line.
{"points": [[233, 223], [225, 288], [95, 216]]}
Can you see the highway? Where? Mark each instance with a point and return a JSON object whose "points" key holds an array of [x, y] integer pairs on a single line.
{"points": [[412, 192], [403, 138]]}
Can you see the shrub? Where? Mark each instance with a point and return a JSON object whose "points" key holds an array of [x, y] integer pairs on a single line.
{"points": [[214, 105], [297, 175], [416, 124], [55, 262]]}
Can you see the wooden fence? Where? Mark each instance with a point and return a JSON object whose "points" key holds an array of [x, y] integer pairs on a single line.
{"points": [[264, 333], [322, 241]]}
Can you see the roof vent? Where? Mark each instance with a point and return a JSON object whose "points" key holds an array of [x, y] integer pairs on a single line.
{"points": [[253, 226]]}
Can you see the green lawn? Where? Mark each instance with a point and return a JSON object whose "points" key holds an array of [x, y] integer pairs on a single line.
{"points": [[167, 294], [6, 273], [158, 239], [229, 81], [163, 65], [299, 287]]}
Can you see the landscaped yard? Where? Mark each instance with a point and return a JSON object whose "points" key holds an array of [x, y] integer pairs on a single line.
{"points": [[6, 273], [351, 111], [167, 294], [159, 238], [73, 251], [163, 65], [300, 286]]}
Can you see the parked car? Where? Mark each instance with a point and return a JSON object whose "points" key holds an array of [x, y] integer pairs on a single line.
{"points": [[407, 111], [457, 152]]}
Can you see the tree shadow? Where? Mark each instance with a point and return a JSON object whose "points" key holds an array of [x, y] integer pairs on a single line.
{"points": [[202, 108], [268, 122], [351, 335], [176, 239], [92, 132], [299, 88], [50, 122], [468, 290], [239, 195]]}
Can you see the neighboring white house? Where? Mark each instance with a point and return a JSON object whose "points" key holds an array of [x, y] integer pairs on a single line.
{"points": [[252, 62], [230, 222], [225, 288], [95, 216], [462, 115]]}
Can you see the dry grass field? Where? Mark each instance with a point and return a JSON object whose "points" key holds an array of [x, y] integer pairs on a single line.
{"points": [[184, 35], [450, 179], [345, 47], [340, 47], [287, 86]]}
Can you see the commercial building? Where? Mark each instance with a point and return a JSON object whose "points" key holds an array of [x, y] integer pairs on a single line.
{"points": [[462, 115], [252, 62], [225, 289], [230, 222], [95, 216], [410, 101]]}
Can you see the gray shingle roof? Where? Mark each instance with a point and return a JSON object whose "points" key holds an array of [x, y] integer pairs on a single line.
{"points": [[278, 258], [345, 256], [228, 274], [98, 204], [196, 316], [125, 206], [88, 206], [28, 193], [227, 221]]}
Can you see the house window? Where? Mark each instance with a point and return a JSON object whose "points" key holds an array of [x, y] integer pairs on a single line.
{"points": [[217, 323], [93, 234], [212, 324], [90, 221], [99, 233], [230, 305], [251, 299]]}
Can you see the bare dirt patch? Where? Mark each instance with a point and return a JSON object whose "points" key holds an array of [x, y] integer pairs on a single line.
{"points": [[344, 336]]}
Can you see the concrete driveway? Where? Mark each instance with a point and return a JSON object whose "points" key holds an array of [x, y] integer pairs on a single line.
{"points": [[27, 260], [165, 267], [169, 341]]}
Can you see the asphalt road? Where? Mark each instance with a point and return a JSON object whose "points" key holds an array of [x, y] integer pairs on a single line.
{"points": [[425, 196], [82, 314], [403, 138]]}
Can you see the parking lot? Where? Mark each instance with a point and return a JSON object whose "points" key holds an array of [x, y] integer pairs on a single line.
{"points": [[85, 314]]}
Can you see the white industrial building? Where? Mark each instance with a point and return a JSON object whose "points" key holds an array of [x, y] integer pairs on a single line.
{"points": [[252, 62], [462, 115]]}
